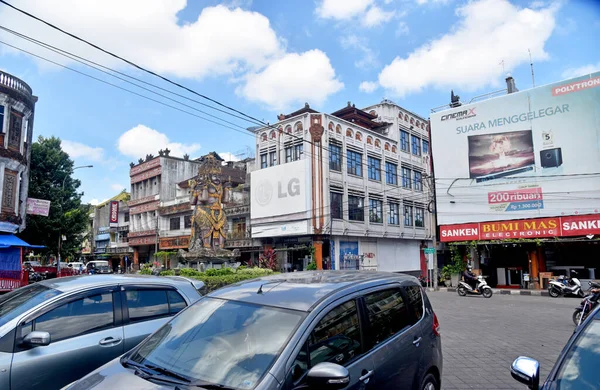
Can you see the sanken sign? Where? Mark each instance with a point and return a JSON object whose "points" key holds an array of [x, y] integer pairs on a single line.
{"points": [[568, 226], [279, 190]]}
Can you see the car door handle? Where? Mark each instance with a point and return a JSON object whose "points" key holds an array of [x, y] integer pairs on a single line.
{"points": [[365, 377], [417, 341], [110, 341]]}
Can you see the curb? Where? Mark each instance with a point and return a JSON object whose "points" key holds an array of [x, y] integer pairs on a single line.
{"points": [[543, 293]]}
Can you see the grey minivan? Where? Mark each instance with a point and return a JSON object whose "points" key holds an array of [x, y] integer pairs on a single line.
{"points": [[56, 331], [318, 330]]}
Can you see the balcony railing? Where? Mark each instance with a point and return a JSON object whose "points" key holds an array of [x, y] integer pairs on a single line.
{"points": [[238, 235], [10, 81]]}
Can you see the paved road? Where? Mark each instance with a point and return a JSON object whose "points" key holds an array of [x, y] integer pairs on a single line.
{"points": [[481, 337]]}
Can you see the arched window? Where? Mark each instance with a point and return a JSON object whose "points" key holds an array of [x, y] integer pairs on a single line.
{"points": [[288, 129], [349, 133], [263, 137], [273, 134], [387, 146], [358, 136], [298, 127], [412, 121], [369, 140], [331, 126], [418, 124], [372, 112], [338, 129], [378, 143], [280, 130], [394, 149], [406, 117]]}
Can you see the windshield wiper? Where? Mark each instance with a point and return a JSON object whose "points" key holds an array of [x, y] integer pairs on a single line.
{"points": [[151, 371], [167, 372], [210, 386]]}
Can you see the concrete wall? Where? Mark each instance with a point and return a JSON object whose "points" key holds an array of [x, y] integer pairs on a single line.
{"points": [[175, 171]]}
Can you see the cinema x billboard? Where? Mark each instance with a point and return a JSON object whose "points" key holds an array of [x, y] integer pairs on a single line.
{"points": [[529, 154]]}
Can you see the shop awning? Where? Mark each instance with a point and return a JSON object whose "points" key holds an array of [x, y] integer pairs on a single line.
{"points": [[10, 240]]}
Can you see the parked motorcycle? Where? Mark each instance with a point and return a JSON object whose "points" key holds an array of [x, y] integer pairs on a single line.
{"points": [[482, 288], [572, 287], [588, 304]]}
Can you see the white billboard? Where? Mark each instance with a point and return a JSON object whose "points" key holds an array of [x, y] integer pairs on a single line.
{"points": [[281, 192], [529, 154]]}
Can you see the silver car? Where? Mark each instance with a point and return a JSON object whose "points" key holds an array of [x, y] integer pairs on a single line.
{"points": [[58, 330]]}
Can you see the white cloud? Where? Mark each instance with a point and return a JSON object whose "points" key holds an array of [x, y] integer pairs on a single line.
{"points": [[402, 29], [367, 57], [77, 150], [368, 86], [117, 187], [342, 9], [376, 16], [581, 71], [94, 202], [423, 2], [142, 140], [228, 156], [489, 31], [313, 81]]}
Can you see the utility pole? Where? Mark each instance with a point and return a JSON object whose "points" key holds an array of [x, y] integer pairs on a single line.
{"points": [[156, 242]]}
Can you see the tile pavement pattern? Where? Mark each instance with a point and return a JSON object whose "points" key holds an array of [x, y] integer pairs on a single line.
{"points": [[481, 337]]}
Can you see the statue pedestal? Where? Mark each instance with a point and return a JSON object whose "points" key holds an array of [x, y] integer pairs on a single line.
{"points": [[207, 256]]}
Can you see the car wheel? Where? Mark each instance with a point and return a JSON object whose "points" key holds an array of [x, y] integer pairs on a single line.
{"points": [[429, 383]]}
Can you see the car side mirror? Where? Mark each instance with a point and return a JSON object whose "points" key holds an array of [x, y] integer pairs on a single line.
{"points": [[37, 339], [527, 371], [328, 376]]}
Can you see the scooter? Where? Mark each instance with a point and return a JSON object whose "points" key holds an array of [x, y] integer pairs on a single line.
{"points": [[482, 288], [558, 287], [588, 304]]}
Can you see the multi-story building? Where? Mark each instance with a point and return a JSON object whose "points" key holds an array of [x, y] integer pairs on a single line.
{"points": [[17, 106], [175, 213], [111, 230], [341, 188], [154, 180]]}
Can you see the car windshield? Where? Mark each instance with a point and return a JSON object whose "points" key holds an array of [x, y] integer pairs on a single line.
{"points": [[220, 342], [20, 300], [580, 367]]}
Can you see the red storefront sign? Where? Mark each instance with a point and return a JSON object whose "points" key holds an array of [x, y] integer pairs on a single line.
{"points": [[142, 241], [114, 212], [578, 225]]}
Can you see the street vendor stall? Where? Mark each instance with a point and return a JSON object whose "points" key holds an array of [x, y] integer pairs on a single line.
{"points": [[11, 255]]}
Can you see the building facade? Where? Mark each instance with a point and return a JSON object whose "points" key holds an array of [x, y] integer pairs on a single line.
{"points": [[338, 188], [111, 232], [154, 181], [518, 181], [17, 106]]}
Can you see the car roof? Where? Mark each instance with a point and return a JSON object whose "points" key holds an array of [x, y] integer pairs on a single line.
{"points": [[72, 283], [303, 290]]}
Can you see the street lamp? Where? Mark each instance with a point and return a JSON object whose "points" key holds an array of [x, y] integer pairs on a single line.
{"points": [[61, 211]]}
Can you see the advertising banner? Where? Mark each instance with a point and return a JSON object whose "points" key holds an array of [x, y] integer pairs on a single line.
{"points": [[280, 191], [567, 226], [530, 154], [349, 258], [114, 212], [38, 207]]}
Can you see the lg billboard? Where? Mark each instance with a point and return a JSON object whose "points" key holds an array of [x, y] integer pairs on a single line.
{"points": [[280, 200], [529, 154]]}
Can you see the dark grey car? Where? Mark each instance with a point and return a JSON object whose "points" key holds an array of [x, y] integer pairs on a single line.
{"points": [[321, 329], [56, 331]]}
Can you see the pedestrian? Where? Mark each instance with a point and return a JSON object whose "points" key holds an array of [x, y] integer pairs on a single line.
{"points": [[81, 269]]}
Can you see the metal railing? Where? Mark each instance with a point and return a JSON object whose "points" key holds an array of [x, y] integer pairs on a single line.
{"points": [[15, 84]]}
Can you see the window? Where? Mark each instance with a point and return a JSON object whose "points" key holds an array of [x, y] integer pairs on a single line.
{"points": [[356, 208], [387, 313], [126, 217], [2, 119], [187, 221], [418, 180], [579, 369], [263, 161], [272, 159], [86, 315], [425, 147], [374, 168], [394, 217], [408, 216], [404, 141], [419, 217], [336, 205], [298, 151], [416, 145], [175, 223], [288, 154], [391, 173], [405, 177], [176, 302], [354, 163], [147, 304], [335, 158], [415, 300], [293, 153], [375, 211], [336, 338]]}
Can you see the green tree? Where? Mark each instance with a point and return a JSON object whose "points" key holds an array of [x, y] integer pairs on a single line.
{"points": [[51, 167]]}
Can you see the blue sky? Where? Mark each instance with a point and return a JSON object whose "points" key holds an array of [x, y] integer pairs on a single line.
{"points": [[265, 57]]}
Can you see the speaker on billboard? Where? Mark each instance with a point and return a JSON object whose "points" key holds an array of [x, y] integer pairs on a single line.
{"points": [[551, 158]]}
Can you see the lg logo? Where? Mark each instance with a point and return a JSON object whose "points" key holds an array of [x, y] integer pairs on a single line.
{"points": [[264, 191]]}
